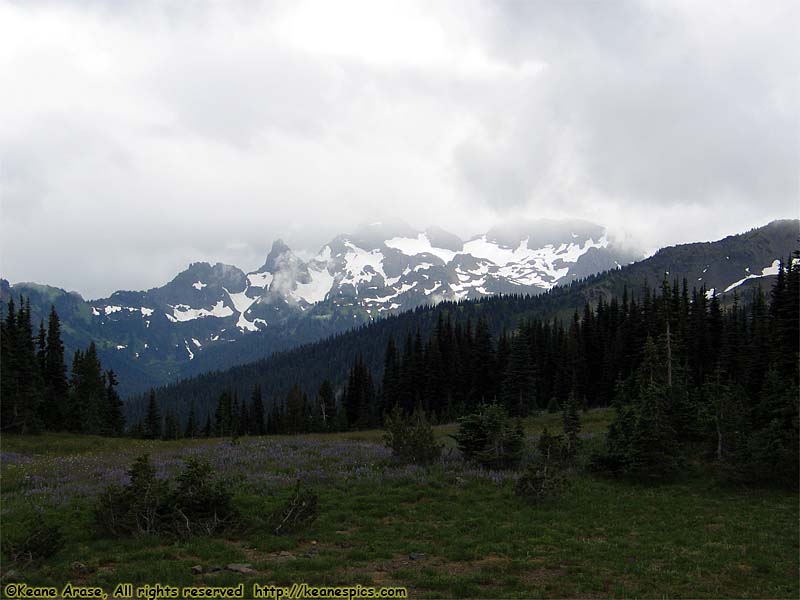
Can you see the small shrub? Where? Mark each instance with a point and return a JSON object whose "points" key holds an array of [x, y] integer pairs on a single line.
{"points": [[411, 439], [138, 508], [31, 543], [148, 505], [542, 480], [298, 513], [198, 504], [548, 475], [491, 438]]}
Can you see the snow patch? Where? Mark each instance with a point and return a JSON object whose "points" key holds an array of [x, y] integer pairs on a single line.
{"points": [[770, 270], [260, 280], [357, 260], [242, 302], [182, 312], [316, 289], [419, 245], [199, 285]]}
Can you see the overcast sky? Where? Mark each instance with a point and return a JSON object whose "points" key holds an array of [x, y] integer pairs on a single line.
{"points": [[138, 136]]}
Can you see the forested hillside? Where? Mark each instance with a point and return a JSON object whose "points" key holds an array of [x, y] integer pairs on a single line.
{"points": [[193, 324], [453, 356]]}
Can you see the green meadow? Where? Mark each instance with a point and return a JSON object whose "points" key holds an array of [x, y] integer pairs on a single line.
{"points": [[449, 530]]}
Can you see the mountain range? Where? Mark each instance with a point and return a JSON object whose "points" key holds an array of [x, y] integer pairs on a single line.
{"points": [[216, 316]]}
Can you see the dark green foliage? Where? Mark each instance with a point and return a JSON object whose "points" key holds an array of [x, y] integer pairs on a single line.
{"points": [[56, 382], [547, 476], [199, 504], [139, 508], [641, 442], [297, 513], [30, 542], [411, 438], [572, 426], [21, 379], [192, 430], [193, 505], [359, 397], [517, 389], [115, 420], [258, 423], [296, 411], [152, 423], [491, 438], [33, 382], [171, 430]]}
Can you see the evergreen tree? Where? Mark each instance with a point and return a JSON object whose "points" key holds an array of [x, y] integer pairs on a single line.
{"points": [[258, 426], [56, 384], [152, 423], [517, 389], [171, 429], [89, 393], [115, 419], [295, 410], [191, 430], [359, 396]]}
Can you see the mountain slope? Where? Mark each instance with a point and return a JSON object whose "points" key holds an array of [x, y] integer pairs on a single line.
{"points": [[716, 264], [216, 316], [189, 325]]}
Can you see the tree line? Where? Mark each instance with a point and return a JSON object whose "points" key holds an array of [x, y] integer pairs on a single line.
{"points": [[669, 357], [677, 365], [37, 395]]}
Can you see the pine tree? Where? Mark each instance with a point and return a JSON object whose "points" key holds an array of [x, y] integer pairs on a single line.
{"points": [[56, 384], [517, 388], [89, 393], [257, 411], [23, 384], [295, 410], [115, 419], [153, 418], [483, 365], [9, 393], [245, 426], [171, 429], [359, 396], [390, 387], [191, 429]]}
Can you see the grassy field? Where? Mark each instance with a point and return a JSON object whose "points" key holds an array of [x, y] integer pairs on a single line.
{"points": [[447, 531]]}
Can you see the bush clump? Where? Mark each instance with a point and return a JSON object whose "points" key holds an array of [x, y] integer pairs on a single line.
{"points": [[491, 438], [411, 439], [547, 476], [31, 542], [195, 504]]}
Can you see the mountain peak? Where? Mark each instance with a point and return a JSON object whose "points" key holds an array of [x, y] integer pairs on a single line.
{"points": [[279, 248]]}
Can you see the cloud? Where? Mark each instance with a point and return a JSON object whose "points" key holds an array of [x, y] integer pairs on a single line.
{"points": [[137, 137]]}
